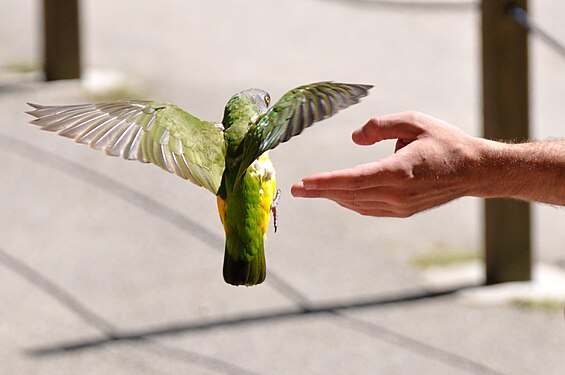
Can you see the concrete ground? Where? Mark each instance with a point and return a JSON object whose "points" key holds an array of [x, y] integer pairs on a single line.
{"points": [[110, 266]]}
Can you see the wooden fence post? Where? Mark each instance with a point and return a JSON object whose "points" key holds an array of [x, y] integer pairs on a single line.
{"points": [[506, 115], [61, 39]]}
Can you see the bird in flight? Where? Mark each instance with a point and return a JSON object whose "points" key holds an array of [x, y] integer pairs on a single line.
{"points": [[230, 159]]}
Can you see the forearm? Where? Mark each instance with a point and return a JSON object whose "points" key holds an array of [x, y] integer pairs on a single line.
{"points": [[532, 171]]}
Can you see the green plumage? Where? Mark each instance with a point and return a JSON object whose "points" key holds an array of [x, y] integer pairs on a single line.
{"points": [[228, 159], [244, 259]]}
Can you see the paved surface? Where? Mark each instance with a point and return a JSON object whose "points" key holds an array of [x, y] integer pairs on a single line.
{"points": [[110, 266]]}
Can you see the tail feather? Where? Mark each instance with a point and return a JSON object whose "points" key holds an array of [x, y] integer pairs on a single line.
{"points": [[246, 273]]}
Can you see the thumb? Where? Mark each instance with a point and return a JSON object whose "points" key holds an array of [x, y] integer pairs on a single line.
{"points": [[403, 126]]}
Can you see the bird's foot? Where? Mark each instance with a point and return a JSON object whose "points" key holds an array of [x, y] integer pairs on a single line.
{"points": [[274, 205]]}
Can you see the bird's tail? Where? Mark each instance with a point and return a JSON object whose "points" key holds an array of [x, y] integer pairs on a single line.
{"points": [[243, 272]]}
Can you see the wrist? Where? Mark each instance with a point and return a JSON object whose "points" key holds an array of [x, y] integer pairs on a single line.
{"points": [[492, 170]]}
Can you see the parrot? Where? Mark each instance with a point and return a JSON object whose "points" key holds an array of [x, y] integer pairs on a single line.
{"points": [[230, 158]]}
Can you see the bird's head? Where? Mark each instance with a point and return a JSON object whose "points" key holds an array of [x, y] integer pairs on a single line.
{"points": [[246, 105], [260, 98]]}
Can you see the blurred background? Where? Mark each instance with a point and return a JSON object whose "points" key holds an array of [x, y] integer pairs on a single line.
{"points": [[109, 266]]}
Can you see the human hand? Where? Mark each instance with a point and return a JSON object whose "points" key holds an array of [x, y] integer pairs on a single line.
{"points": [[433, 163]]}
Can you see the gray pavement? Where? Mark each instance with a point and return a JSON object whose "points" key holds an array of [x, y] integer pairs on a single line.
{"points": [[109, 266]]}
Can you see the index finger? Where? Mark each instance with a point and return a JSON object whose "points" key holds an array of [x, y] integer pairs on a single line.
{"points": [[359, 177]]}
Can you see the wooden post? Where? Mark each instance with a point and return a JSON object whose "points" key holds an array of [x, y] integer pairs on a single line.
{"points": [[61, 48], [505, 110]]}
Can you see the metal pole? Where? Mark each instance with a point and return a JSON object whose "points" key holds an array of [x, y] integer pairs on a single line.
{"points": [[506, 114], [61, 39]]}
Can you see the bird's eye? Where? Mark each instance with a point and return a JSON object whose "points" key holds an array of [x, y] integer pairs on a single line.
{"points": [[267, 99]]}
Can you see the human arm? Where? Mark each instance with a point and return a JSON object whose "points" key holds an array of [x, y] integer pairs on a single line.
{"points": [[434, 163]]}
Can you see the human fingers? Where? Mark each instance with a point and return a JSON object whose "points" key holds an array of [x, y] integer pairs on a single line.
{"points": [[405, 125], [345, 179], [389, 171], [403, 203], [359, 197], [367, 205], [378, 212]]}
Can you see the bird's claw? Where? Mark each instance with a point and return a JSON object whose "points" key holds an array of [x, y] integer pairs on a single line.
{"points": [[274, 205]]}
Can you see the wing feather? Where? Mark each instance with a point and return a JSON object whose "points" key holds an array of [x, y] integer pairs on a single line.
{"points": [[122, 139], [105, 140], [160, 133]]}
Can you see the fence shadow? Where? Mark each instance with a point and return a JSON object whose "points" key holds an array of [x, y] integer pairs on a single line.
{"points": [[241, 320]]}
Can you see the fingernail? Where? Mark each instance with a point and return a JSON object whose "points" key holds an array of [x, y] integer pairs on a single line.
{"points": [[357, 134], [298, 193]]}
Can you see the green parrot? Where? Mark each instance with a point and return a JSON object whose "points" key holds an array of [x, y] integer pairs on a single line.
{"points": [[230, 158]]}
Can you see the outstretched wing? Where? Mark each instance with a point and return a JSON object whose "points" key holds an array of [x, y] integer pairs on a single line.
{"points": [[295, 111], [160, 133]]}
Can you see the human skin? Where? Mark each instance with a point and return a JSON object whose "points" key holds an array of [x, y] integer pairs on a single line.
{"points": [[434, 163]]}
